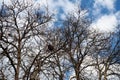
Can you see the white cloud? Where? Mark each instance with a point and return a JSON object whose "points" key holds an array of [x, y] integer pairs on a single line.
{"points": [[109, 4], [100, 4], [54, 5], [106, 23]]}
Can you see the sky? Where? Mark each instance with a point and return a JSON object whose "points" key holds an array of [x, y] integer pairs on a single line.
{"points": [[105, 14]]}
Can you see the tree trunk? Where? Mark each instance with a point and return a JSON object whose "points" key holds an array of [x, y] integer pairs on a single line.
{"points": [[77, 75], [18, 61], [105, 75], [16, 76], [77, 72], [61, 77], [100, 76]]}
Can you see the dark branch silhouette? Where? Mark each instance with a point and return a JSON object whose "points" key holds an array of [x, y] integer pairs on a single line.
{"points": [[50, 47]]}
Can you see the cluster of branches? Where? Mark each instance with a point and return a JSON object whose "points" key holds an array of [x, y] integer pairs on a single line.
{"points": [[31, 51]]}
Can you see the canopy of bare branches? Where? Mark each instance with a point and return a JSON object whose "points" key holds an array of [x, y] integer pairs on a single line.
{"points": [[31, 50]]}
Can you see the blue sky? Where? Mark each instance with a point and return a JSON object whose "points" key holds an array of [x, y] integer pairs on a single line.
{"points": [[104, 13]]}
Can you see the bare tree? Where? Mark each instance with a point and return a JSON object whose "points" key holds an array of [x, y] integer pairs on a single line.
{"points": [[21, 27], [81, 42], [107, 60], [31, 51]]}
